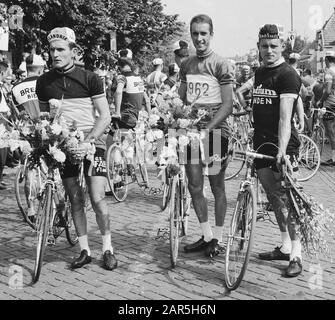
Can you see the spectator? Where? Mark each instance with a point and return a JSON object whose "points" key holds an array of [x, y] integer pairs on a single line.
{"points": [[180, 51]]}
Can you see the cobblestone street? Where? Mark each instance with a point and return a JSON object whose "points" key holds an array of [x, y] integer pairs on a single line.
{"points": [[144, 271]]}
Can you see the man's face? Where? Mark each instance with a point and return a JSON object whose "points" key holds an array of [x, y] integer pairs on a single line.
{"points": [[61, 54], [201, 37], [270, 50]]}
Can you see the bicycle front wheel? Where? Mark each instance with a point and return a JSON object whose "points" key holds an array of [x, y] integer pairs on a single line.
{"points": [[309, 158], [235, 162], [240, 238], [70, 231], [176, 215], [166, 191], [117, 173], [44, 213]]}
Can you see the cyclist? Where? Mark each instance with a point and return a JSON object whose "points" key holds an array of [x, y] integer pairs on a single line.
{"points": [[155, 80], [180, 51], [25, 99], [23, 93], [83, 100], [209, 78], [275, 92], [328, 101]]}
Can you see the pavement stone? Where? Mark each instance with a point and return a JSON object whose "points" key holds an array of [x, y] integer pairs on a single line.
{"points": [[144, 271]]}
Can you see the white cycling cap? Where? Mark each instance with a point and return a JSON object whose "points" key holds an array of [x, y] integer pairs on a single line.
{"points": [[125, 53], [64, 33], [35, 60], [157, 62], [330, 53], [295, 56]]}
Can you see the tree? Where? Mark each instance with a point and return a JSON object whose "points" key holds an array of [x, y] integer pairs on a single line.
{"points": [[140, 25]]}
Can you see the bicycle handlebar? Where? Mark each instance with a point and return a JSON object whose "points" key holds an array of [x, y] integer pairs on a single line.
{"points": [[255, 155]]}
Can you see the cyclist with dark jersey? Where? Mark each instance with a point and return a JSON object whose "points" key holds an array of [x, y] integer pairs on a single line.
{"points": [[275, 92], [83, 100], [208, 79]]}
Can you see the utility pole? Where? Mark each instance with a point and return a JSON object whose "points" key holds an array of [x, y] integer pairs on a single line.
{"points": [[292, 15]]}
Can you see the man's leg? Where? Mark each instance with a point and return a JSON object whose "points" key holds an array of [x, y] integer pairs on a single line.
{"points": [[270, 181], [77, 201], [96, 189], [330, 133], [195, 186]]}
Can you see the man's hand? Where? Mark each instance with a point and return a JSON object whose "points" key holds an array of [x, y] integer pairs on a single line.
{"points": [[300, 125], [116, 115]]}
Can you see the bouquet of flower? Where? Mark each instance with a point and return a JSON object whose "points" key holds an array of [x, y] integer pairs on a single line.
{"points": [[315, 223], [52, 139]]}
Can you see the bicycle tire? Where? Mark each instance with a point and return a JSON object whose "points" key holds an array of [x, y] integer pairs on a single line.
{"points": [[318, 137], [235, 163], [240, 238], [166, 192], [20, 194], [70, 232], [44, 213], [309, 158], [117, 168], [186, 208], [175, 219]]}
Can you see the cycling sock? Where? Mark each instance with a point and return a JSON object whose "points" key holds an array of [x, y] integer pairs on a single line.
{"points": [[333, 155], [286, 243], [217, 233], [107, 243], [83, 243], [206, 231], [296, 249]]}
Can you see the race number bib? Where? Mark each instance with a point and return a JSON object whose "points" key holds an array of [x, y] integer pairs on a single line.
{"points": [[203, 89]]}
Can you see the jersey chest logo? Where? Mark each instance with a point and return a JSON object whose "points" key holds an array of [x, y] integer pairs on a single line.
{"points": [[262, 96]]}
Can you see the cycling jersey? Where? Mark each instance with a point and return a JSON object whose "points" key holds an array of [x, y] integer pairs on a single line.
{"points": [[272, 84], [203, 77], [132, 97], [25, 98], [77, 89]]}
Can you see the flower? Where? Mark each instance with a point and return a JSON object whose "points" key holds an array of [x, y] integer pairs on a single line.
{"points": [[25, 148], [150, 136], [56, 128], [57, 154], [25, 131], [158, 134], [44, 123], [153, 119], [177, 102], [184, 123], [183, 141]]}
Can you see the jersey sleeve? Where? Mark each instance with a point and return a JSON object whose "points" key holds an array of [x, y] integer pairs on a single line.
{"points": [[225, 72], [122, 79], [40, 92], [289, 84], [96, 87]]}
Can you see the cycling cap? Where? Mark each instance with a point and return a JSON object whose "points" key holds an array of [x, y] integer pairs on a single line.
{"points": [[180, 48], [245, 67], [330, 53], [271, 31], [295, 56], [157, 62], [65, 33], [125, 53], [35, 60]]}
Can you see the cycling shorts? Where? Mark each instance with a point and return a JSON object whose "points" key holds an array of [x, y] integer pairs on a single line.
{"points": [[95, 169]]}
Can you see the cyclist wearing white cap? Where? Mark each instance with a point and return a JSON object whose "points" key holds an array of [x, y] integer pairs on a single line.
{"points": [[155, 80], [275, 92], [328, 101], [82, 99]]}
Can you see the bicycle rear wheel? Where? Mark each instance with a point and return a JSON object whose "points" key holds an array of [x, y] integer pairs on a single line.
{"points": [[309, 158], [235, 162], [318, 137], [70, 231], [186, 208], [117, 173], [175, 214], [240, 238], [44, 212]]}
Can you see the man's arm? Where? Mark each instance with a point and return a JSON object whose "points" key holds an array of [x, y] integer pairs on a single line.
{"points": [[118, 98], [284, 129], [182, 91], [226, 108], [326, 93], [246, 87], [104, 119], [301, 114]]}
